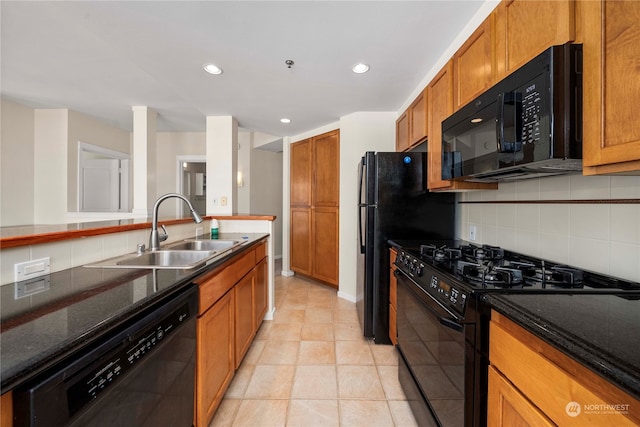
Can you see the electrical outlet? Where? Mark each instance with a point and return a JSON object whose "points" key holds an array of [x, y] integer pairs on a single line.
{"points": [[30, 269], [223, 201], [472, 233]]}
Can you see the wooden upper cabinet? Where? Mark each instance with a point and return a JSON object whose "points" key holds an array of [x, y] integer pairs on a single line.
{"points": [[440, 94], [301, 171], [440, 107], [326, 170], [474, 65], [418, 128], [525, 28], [412, 125], [611, 48], [402, 132]]}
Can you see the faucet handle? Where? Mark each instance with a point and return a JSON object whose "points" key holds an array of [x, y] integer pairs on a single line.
{"points": [[141, 248], [165, 236]]}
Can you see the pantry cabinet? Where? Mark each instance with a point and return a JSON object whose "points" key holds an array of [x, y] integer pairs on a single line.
{"points": [[553, 388], [611, 48], [315, 200], [474, 64], [411, 126], [233, 301], [440, 95], [525, 28]]}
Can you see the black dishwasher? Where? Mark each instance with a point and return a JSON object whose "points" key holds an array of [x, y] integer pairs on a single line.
{"points": [[140, 374]]}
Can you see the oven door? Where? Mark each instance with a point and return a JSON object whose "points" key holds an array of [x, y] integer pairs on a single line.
{"points": [[432, 368]]}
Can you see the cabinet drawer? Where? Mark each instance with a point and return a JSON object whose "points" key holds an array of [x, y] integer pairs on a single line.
{"points": [[551, 380], [243, 265], [261, 251], [214, 286]]}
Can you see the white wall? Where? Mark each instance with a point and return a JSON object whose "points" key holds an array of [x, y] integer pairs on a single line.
{"points": [[50, 166], [266, 190], [600, 237], [17, 164], [359, 132], [82, 128]]}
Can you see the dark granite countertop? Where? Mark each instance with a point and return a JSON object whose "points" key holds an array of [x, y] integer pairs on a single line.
{"points": [[600, 331], [45, 320]]}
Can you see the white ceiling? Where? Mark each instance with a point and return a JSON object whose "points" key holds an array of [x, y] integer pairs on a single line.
{"points": [[103, 57]]}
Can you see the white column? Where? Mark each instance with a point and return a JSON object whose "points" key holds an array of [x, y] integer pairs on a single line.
{"points": [[144, 160], [286, 208], [51, 151], [222, 165]]}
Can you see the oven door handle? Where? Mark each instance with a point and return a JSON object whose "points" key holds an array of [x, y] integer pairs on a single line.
{"points": [[444, 317]]}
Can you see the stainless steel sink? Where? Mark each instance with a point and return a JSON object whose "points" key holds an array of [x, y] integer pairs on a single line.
{"points": [[165, 259], [205, 245]]}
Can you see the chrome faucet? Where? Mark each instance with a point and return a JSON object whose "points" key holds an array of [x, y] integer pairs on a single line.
{"points": [[156, 237]]}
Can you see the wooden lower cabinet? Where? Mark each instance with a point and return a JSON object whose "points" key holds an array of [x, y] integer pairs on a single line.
{"points": [[532, 383], [215, 357], [261, 293], [325, 241], [508, 407], [393, 298], [245, 330], [6, 409], [233, 302]]}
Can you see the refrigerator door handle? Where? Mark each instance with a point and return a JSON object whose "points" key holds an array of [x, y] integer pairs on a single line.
{"points": [[360, 205]]}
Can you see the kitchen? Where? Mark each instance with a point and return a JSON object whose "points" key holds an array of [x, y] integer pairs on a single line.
{"points": [[569, 234]]}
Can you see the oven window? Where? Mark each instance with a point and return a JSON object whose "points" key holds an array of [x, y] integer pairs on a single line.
{"points": [[434, 354]]}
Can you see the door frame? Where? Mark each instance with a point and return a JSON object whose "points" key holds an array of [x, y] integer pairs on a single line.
{"points": [[124, 158], [180, 159]]}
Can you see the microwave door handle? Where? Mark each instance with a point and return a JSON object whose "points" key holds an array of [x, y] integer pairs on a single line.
{"points": [[512, 103]]}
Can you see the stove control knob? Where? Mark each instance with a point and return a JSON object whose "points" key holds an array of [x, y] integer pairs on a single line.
{"points": [[400, 258], [420, 270]]}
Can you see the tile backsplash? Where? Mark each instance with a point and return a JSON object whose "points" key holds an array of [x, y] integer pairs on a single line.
{"points": [[602, 237]]}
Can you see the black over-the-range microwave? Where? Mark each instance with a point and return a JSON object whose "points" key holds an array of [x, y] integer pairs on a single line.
{"points": [[528, 125]]}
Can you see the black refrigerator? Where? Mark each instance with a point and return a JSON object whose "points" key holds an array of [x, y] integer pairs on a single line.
{"points": [[393, 204]]}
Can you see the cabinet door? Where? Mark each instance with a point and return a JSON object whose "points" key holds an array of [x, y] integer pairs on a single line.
{"points": [[418, 119], [393, 299], [525, 28], [215, 357], [301, 240], [261, 292], [507, 407], [402, 132], [326, 167], [301, 173], [244, 316], [611, 49], [473, 65], [6, 406], [325, 244]]}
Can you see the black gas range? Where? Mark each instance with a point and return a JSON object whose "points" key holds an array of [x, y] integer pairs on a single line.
{"points": [[442, 324]]}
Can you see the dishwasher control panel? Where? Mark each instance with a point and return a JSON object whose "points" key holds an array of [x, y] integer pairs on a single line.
{"points": [[131, 351]]}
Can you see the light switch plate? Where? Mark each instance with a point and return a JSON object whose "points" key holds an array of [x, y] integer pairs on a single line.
{"points": [[30, 269], [472, 233]]}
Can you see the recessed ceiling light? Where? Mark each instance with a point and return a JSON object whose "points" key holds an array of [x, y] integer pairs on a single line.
{"points": [[285, 120], [212, 69], [360, 68]]}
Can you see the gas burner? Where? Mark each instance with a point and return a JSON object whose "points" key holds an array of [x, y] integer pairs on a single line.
{"points": [[439, 254], [489, 274], [559, 276], [483, 253]]}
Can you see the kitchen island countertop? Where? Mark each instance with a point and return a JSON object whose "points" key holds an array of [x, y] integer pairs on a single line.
{"points": [[44, 321]]}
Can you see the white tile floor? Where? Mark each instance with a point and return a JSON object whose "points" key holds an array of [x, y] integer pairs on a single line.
{"points": [[311, 366]]}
